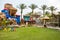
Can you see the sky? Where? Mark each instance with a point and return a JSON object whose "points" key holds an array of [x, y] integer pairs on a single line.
{"points": [[39, 3]]}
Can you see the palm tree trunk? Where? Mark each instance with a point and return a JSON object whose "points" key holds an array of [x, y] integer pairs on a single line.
{"points": [[21, 13], [32, 10], [52, 13], [43, 12], [52, 16]]}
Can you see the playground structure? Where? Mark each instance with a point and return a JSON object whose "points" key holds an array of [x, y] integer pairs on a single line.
{"points": [[8, 16]]}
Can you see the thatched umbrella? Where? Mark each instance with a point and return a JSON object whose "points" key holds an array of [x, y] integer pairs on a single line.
{"points": [[44, 19]]}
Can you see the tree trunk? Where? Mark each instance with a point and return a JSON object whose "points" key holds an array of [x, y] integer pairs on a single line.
{"points": [[52, 13], [21, 13], [32, 10], [43, 12]]}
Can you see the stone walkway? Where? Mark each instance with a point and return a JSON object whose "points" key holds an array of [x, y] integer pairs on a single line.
{"points": [[54, 27], [43, 26], [49, 27]]}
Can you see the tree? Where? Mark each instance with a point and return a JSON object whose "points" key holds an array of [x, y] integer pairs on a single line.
{"points": [[22, 6], [44, 7], [47, 13], [33, 6], [52, 9]]}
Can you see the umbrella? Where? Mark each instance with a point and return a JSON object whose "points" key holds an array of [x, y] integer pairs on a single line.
{"points": [[45, 18]]}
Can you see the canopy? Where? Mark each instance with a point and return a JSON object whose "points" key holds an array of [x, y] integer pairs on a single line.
{"points": [[26, 18], [45, 18]]}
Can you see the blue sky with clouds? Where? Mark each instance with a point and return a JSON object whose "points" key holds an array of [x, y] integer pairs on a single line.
{"points": [[55, 3]]}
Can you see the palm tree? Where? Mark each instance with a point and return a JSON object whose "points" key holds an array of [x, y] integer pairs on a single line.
{"points": [[33, 6], [53, 16], [47, 13], [22, 6], [44, 7], [52, 9]]}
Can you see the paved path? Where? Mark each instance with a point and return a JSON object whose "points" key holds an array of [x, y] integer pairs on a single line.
{"points": [[54, 27], [49, 27]]}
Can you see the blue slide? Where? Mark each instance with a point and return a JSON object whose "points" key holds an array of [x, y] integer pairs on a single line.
{"points": [[6, 12]]}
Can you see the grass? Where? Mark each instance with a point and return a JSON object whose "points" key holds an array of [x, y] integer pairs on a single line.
{"points": [[31, 33]]}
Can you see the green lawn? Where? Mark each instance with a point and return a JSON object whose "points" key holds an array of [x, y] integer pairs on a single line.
{"points": [[31, 33]]}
